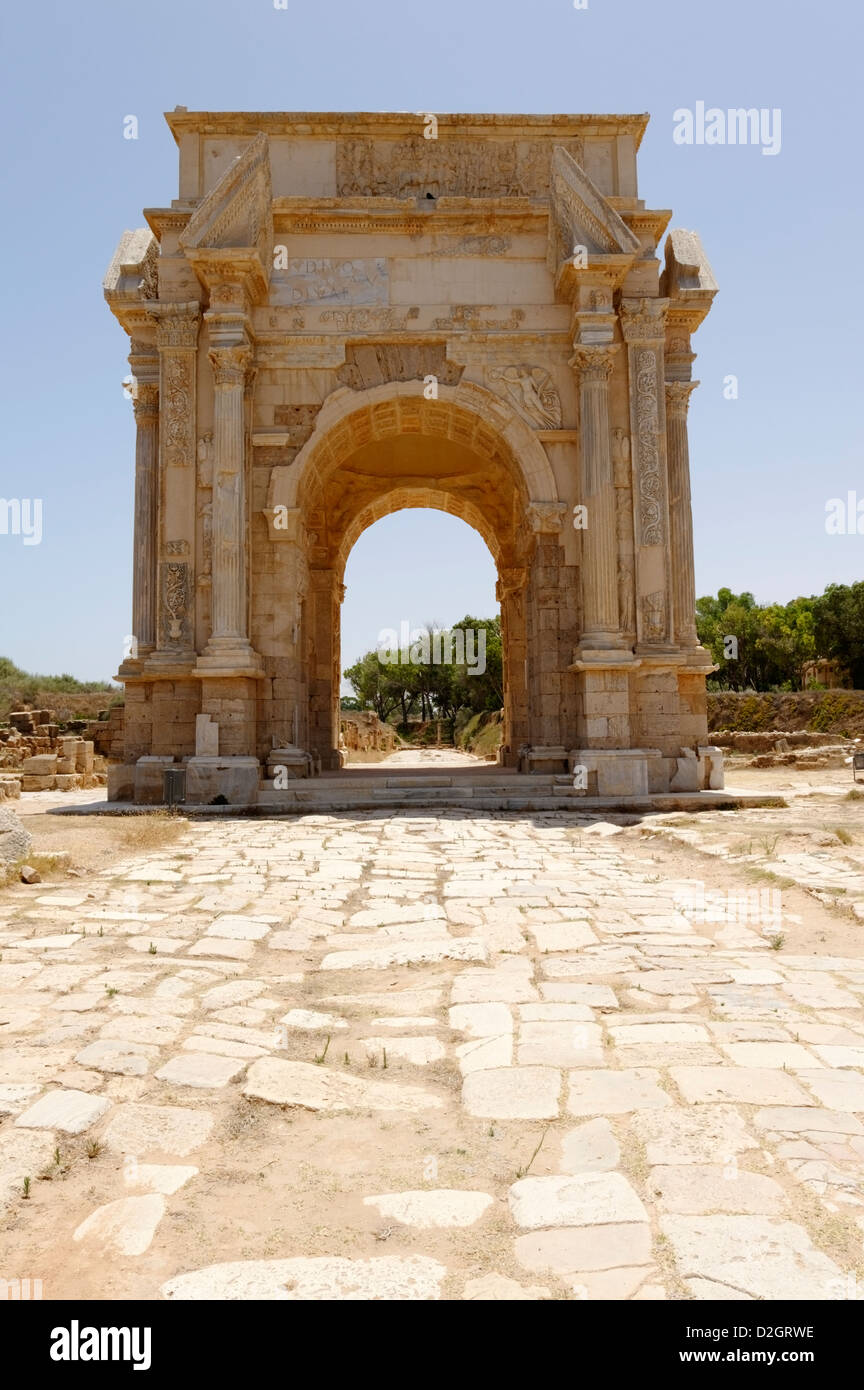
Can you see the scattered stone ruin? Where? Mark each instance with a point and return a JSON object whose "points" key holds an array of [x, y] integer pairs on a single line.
{"points": [[36, 755], [361, 731]]}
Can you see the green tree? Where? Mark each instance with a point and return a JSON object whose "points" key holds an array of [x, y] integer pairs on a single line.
{"points": [[839, 627]]}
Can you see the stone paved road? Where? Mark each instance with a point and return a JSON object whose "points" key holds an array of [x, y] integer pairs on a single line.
{"points": [[418, 1056]]}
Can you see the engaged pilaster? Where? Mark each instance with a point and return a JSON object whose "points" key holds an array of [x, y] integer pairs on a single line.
{"points": [[600, 545], [643, 327], [228, 635]]}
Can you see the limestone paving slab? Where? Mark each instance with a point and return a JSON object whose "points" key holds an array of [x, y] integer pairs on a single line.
{"points": [[748, 1085], [697, 1135], [513, 1093], [694, 1189], [70, 1111], [759, 1257], [201, 1069], [124, 1227], [591, 1147], [615, 1092], [410, 1278], [582, 1199], [577, 1250], [424, 1210], [311, 1087], [149, 1129]]}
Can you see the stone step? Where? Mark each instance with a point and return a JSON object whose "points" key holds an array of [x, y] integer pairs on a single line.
{"points": [[432, 780]]}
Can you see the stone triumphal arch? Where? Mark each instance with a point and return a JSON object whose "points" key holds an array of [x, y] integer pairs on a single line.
{"points": [[339, 317]]}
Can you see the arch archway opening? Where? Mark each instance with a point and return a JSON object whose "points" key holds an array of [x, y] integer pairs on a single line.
{"points": [[420, 624]]}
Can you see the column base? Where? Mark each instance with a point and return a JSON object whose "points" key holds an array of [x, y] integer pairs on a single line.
{"points": [[700, 660], [600, 658], [132, 666], [602, 642], [229, 657], [168, 663]]}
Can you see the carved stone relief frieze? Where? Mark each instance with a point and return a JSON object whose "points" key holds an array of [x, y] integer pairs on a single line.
{"points": [[445, 167], [374, 364], [470, 317], [532, 391], [654, 616], [369, 320]]}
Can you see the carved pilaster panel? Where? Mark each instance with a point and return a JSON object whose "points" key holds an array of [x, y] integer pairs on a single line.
{"points": [[649, 475], [175, 628]]}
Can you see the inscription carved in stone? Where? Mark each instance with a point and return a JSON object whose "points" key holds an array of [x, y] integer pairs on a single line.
{"points": [[322, 280]]}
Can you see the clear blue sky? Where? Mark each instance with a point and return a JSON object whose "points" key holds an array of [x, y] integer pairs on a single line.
{"points": [[783, 233]]}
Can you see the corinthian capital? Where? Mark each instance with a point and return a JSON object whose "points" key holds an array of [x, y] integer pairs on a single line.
{"points": [[510, 581], [145, 401], [230, 364], [593, 363], [678, 396], [177, 324], [643, 318], [545, 518]]}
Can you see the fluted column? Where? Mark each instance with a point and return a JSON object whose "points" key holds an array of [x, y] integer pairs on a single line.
{"points": [[146, 406], [600, 545], [228, 601], [680, 511]]}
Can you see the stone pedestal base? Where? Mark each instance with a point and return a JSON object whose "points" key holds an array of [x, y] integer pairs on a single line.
{"points": [[148, 778], [223, 663], [121, 782], [616, 771], [235, 779], [712, 776], [539, 759]]}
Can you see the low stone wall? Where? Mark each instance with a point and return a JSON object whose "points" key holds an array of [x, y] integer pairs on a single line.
{"points": [[771, 740]]}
